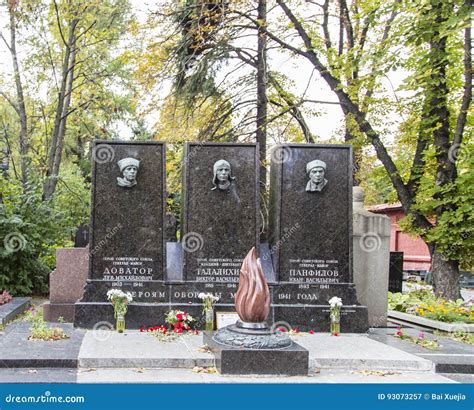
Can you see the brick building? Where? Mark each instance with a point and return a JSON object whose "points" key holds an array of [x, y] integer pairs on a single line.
{"points": [[416, 256]]}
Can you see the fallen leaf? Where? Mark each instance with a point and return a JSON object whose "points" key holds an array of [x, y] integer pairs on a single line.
{"points": [[208, 370], [205, 349], [381, 373]]}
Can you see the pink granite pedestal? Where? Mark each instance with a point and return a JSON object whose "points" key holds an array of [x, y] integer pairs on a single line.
{"points": [[66, 283]]}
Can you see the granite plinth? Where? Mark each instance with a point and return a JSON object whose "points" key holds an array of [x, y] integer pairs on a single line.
{"points": [[291, 361], [301, 308], [354, 319], [219, 226], [66, 283]]}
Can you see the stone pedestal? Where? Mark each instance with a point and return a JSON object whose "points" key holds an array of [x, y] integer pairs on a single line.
{"points": [[66, 283], [289, 361], [371, 245]]}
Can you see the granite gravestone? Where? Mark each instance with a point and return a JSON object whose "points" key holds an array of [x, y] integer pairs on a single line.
{"points": [[220, 221], [395, 273], [81, 239], [127, 247], [311, 235]]}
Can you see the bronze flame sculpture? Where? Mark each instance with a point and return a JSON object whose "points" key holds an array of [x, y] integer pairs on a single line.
{"points": [[252, 300], [252, 303]]}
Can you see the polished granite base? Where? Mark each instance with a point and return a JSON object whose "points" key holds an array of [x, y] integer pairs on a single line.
{"points": [[289, 361]]}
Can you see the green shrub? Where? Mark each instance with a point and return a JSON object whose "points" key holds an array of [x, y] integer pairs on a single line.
{"points": [[424, 303], [32, 229]]}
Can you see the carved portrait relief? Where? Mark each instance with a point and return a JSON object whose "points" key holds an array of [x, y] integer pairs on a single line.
{"points": [[129, 169], [222, 178], [316, 171]]}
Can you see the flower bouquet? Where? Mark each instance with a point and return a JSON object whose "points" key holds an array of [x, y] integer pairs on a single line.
{"points": [[120, 301], [208, 301], [179, 320], [335, 304]]}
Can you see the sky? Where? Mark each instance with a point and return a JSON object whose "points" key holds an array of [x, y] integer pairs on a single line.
{"points": [[326, 125]]}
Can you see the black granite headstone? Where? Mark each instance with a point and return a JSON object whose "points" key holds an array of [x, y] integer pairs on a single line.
{"points": [[127, 246], [395, 273], [311, 235], [311, 230], [220, 220], [81, 239]]}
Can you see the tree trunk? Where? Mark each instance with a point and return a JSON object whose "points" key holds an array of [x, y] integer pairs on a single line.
{"points": [[261, 134], [62, 109], [20, 106], [445, 276]]}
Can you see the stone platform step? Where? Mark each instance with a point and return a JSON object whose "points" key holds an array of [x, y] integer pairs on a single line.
{"points": [[133, 349], [16, 351], [354, 351], [11, 310], [451, 356]]}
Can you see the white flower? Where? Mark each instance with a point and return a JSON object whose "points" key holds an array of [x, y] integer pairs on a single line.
{"points": [[335, 301], [114, 294], [208, 296]]}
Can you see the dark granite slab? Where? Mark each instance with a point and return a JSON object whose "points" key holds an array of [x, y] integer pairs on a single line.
{"points": [[12, 309], [310, 235], [219, 226], [127, 245], [291, 361], [17, 351], [127, 235], [395, 273], [81, 238], [311, 232]]}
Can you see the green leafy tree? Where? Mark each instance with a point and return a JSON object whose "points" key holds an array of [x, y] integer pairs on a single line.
{"points": [[436, 35]]}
